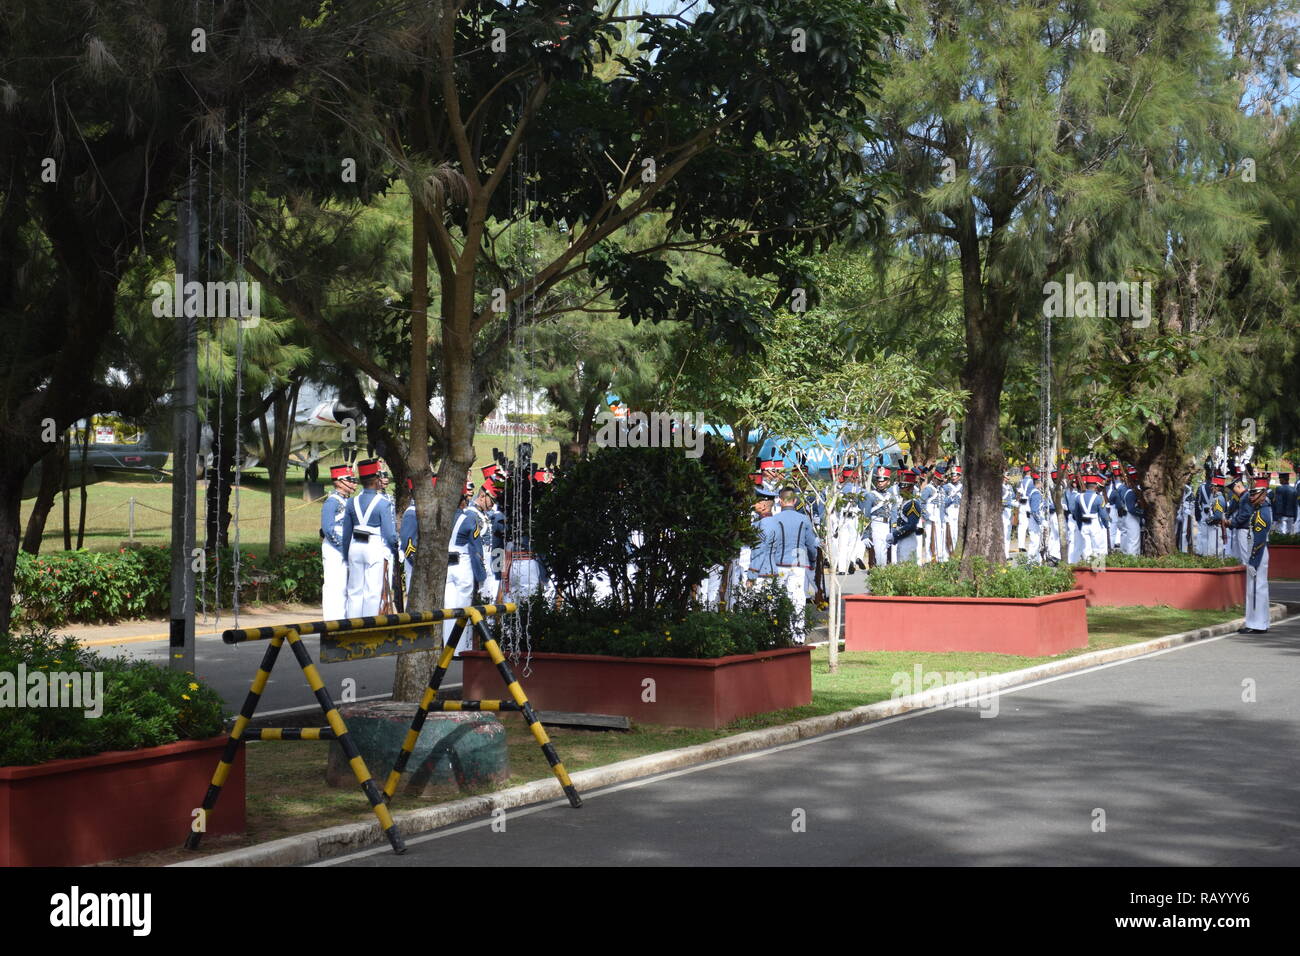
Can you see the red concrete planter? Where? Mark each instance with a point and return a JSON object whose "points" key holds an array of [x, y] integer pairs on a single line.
{"points": [[1204, 588], [114, 804], [1284, 560], [687, 693], [1030, 627]]}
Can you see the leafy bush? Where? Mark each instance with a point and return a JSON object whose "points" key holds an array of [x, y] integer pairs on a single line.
{"points": [[1284, 539], [689, 515], [143, 705], [53, 589], [943, 579], [1177, 559], [759, 622]]}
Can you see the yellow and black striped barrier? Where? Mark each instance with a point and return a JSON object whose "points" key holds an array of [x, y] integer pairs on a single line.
{"points": [[474, 617], [379, 636]]}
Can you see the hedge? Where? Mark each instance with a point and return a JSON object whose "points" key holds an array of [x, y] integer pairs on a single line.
{"points": [[943, 579], [143, 705], [93, 587]]}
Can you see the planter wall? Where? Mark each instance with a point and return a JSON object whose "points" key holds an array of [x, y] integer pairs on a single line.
{"points": [[1191, 588], [1030, 627], [687, 693], [1284, 560], [115, 804]]}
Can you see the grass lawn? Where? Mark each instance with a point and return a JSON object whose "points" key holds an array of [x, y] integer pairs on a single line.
{"points": [[287, 793], [107, 507]]}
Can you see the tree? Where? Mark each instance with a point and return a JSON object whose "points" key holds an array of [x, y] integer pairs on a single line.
{"points": [[736, 126], [99, 107], [817, 400]]}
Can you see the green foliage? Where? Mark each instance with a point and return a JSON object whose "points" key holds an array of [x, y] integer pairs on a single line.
{"points": [[943, 579], [100, 587], [760, 621], [1177, 559], [1284, 539], [143, 705], [689, 514]]}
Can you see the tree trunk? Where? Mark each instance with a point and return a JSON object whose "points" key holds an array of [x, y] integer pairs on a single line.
{"points": [[67, 499], [980, 522], [1162, 468], [81, 513], [285, 406], [11, 497], [51, 477]]}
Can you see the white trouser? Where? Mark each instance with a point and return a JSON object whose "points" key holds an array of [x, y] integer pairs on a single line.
{"points": [[880, 541], [1073, 541], [792, 579], [934, 528], [907, 550], [1205, 537], [950, 529], [334, 583], [1034, 543], [1113, 530], [1053, 537], [710, 587], [365, 576], [1022, 529], [1092, 540], [1006, 531], [739, 575], [458, 592], [1257, 594], [1284, 525], [1130, 534], [1243, 544]]}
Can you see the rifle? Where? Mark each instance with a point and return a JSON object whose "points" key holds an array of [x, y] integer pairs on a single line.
{"points": [[385, 595]]}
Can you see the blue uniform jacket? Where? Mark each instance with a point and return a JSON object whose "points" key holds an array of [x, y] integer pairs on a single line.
{"points": [[1089, 504], [1261, 520], [909, 517], [796, 542], [1131, 504], [1284, 501], [466, 534], [410, 533], [762, 554], [331, 520], [381, 518]]}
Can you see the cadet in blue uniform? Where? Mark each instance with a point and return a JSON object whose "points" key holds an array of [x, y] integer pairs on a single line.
{"points": [[1008, 509], [1284, 505], [1131, 515], [369, 535], [1091, 518], [903, 536], [409, 537], [796, 550], [333, 550], [761, 560], [1261, 519], [465, 570], [876, 504], [1023, 488], [1036, 509]]}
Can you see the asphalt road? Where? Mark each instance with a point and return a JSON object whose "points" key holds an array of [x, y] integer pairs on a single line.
{"points": [[229, 668], [1186, 772]]}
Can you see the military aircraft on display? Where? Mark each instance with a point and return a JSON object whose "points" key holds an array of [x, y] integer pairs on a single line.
{"points": [[321, 426]]}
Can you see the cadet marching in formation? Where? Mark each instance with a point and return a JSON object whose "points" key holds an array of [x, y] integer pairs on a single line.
{"points": [[903, 514]]}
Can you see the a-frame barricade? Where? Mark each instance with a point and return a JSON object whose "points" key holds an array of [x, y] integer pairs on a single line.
{"points": [[366, 637]]}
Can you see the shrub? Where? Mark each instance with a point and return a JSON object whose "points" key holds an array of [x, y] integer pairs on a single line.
{"points": [[1284, 539], [759, 622], [143, 705], [943, 579], [689, 515], [51, 590], [1177, 559]]}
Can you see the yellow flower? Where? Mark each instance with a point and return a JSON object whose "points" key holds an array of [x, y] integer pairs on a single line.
{"points": [[194, 686], [615, 630], [666, 633], [185, 696]]}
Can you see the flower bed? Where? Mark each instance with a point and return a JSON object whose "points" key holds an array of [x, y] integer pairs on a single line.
{"points": [[678, 692], [1004, 609], [102, 757], [1175, 580]]}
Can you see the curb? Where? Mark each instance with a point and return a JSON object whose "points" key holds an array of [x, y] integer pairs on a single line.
{"points": [[319, 845]]}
